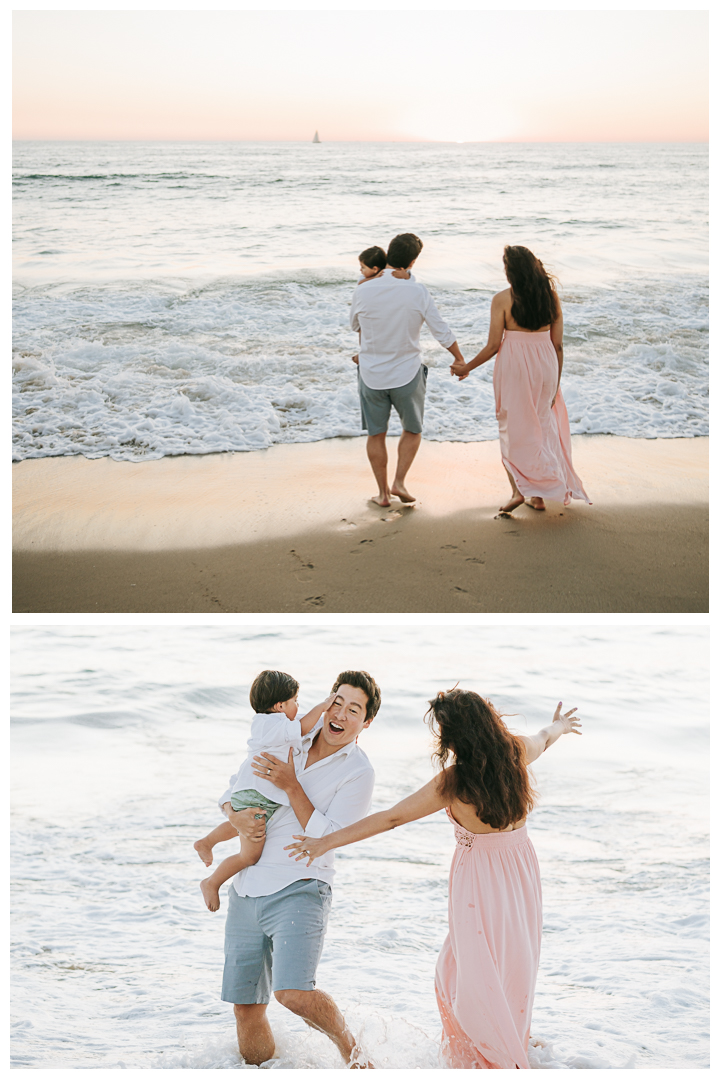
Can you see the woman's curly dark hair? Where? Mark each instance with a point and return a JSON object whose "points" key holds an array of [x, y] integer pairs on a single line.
{"points": [[535, 301], [490, 771]]}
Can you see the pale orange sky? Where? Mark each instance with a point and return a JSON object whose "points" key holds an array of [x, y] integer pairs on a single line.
{"points": [[356, 75]]}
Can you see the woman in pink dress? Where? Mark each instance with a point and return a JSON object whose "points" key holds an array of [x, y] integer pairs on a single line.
{"points": [[486, 971], [526, 332]]}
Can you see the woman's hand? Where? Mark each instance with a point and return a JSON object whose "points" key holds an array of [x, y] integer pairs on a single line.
{"points": [[568, 723], [280, 773], [247, 822], [460, 369], [308, 848]]}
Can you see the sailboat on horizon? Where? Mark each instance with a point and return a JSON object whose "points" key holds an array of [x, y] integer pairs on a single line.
{"points": [[316, 137]]}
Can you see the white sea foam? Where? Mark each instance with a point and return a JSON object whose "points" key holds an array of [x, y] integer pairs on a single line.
{"points": [[194, 299], [239, 367], [117, 963]]}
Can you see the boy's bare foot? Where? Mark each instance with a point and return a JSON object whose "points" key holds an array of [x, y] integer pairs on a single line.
{"points": [[381, 500], [537, 503], [402, 493], [204, 850], [516, 501], [211, 895]]}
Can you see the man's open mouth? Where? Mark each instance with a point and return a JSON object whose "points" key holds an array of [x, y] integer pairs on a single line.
{"points": [[336, 728]]}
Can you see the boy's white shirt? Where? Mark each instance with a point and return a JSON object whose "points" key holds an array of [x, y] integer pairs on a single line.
{"points": [[270, 733], [340, 788]]}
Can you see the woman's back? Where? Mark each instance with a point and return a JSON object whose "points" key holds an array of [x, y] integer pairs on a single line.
{"points": [[466, 816]]}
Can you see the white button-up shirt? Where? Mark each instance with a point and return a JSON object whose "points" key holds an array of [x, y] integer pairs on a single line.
{"points": [[389, 312], [340, 788]]}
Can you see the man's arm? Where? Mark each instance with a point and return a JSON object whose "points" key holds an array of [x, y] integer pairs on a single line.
{"points": [[438, 327], [350, 802]]}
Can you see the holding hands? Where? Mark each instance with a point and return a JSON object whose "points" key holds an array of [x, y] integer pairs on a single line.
{"points": [[461, 369]]}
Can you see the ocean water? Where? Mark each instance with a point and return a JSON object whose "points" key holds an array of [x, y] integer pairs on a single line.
{"points": [[193, 297], [123, 738]]}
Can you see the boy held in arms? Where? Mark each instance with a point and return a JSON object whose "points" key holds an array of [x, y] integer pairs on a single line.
{"points": [[373, 261], [276, 730]]}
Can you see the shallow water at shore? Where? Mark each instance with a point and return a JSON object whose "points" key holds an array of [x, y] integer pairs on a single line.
{"points": [[124, 736], [192, 298]]}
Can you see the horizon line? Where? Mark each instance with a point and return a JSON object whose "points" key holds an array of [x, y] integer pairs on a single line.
{"points": [[309, 142]]}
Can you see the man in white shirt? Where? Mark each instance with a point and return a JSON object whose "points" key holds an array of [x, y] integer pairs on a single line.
{"points": [[388, 312], [278, 908]]}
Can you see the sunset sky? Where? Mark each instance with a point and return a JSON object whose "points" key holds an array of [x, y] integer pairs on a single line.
{"points": [[361, 75]]}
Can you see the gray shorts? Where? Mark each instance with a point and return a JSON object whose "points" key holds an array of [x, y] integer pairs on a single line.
{"points": [[274, 941], [409, 402]]}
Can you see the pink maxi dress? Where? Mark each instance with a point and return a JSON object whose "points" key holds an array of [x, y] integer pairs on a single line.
{"points": [[486, 970], [534, 439]]}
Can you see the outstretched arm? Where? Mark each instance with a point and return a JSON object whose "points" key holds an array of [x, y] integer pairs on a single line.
{"points": [[423, 802], [562, 724]]}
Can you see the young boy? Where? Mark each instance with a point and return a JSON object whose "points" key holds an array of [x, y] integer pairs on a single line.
{"points": [[275, 729], [373, 261]]}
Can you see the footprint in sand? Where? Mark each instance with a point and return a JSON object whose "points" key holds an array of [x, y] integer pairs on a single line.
{"points": [[448, 547], [458, 589], [316, 601], [481, 561]]}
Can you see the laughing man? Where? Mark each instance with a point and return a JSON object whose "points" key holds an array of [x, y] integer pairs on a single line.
{"points": [[278, 909]]}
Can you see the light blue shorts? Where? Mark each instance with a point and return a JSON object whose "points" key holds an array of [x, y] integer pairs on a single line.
{"points": [[274, 942], [408, 402]]}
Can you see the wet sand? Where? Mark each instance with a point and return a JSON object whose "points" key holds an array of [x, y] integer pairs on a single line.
{"points": [[291, 529]]}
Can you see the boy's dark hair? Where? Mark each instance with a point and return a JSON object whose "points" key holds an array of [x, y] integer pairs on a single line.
{"points": [[270, 688], [373, 256], [361, 681], [403, 249]]}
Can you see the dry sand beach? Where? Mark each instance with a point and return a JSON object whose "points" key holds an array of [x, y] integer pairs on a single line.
{"points": [[291, 529]]}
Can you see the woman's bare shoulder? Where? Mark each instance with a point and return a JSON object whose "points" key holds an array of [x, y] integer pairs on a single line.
{"points": [[504, 298]]}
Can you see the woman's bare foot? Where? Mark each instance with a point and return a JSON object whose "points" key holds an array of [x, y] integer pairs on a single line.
{"points": [[381, 500], [204, 850], [517, 500], [402, 493], [536, 502], [211, 895]]}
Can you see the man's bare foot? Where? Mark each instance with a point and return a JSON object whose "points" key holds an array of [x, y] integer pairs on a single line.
{"points": [[204, 850], [402, 492], [536, 502], [517, 500], [211, 896], [381, 500]]}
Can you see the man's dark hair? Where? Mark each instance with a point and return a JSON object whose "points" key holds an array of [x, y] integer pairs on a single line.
{"points": [[361, 681], [270, 688], [403, 249], [373, 256]]}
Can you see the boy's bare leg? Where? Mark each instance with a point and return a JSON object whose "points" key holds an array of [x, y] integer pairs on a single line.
{"points": [[207, 843], [320, 1011], [250, 852], [254, 1034]]}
